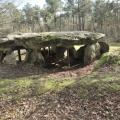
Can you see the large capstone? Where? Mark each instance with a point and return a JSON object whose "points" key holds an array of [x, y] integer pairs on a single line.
{"points": [[37, 40], [91, 53]]}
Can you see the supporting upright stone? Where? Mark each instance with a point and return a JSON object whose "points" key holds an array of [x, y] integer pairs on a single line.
{"points": [[34, 57], [80, 54], [10, 58], [97, 50], [72, 55], [1, 56], [91, 53]]}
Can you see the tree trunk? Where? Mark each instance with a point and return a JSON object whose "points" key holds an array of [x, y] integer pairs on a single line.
{"points": [[73, 20]]}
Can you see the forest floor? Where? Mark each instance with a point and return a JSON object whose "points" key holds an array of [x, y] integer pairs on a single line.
{"points": [[28, 93]]}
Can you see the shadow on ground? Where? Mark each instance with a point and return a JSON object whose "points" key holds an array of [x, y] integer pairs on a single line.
{"points": [[22, 70]]}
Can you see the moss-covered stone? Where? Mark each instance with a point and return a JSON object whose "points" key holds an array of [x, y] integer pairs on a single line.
{"points": [[72, 55], [10, 59], [91, 53], [1, 56], [34, 57], [97, 50], [51, 38]]}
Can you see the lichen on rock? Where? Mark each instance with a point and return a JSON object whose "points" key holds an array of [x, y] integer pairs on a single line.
{"points": [[91, 53]]}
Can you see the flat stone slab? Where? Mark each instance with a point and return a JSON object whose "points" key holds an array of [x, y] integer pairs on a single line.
{"points": [[51, 38]]}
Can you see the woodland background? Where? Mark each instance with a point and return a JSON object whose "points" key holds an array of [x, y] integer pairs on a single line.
{"points": [[56, 15]]}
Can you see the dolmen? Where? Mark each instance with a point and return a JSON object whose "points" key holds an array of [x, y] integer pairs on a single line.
{"points": [[50, 47]]}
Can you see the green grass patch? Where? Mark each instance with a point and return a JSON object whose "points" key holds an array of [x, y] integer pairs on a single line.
{"points": [[97, 85], [19, 88], [39, 87], [111, 58]]}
